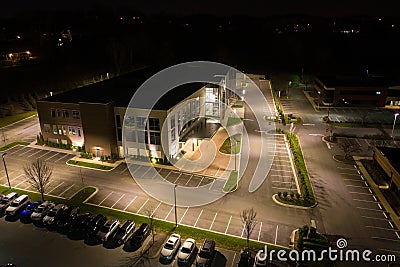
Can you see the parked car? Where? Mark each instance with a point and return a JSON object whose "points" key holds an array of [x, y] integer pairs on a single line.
{"points": [[170, 248], [1, 196], [108, 230], [94, 225], [65, 219], [42, 210], [140, 235], [260, 259], [186, 252], [6, 201], [27, 212], [53, 214], [17, 205], [244, 258], [206, 254], [80, 222], [124, 232]]}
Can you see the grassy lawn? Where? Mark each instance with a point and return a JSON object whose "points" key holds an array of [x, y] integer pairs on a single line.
{"points": [[232, 121], [89, 165], [227, 148], [223, 241], [231, 183], [10, 145], [237, 106], [14, 118]]}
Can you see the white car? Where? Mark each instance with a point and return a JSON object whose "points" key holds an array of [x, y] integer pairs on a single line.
{"points": [[108, 230], [17, 205], [170, 248], [187, 251]]}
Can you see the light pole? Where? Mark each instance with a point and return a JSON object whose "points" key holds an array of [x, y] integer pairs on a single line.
{"points": [[176, 218], [394, 123], [5, 168]]}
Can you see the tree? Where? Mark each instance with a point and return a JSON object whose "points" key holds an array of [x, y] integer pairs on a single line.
{"points": [[39, 175], [150, 212], [248, 217], [348, 147]]}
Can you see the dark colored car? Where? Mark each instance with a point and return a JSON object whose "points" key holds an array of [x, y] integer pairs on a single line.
{"points": [[65, 219], [27, 212], [80, 222], [140, 235], [95, 224], [54, 214], [244, 258], [206, 254], [124, 232]]}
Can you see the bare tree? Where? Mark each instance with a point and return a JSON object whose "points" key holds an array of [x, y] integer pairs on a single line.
{"points": [[248, 217], [150, 212], [348, 147], [39, 175]]}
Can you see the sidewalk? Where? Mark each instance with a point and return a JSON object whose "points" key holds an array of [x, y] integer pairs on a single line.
{"points": [[55, 149]]}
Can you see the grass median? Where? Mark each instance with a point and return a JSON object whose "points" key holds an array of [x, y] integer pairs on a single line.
{"points": [[231, 183], [13, 144], [14, 118], [89, 165]]}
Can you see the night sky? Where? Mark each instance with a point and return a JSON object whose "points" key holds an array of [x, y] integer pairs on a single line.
{"points": [[220, 8]]}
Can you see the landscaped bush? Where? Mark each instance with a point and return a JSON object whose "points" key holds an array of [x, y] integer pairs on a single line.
{"points": [[86, 155]]}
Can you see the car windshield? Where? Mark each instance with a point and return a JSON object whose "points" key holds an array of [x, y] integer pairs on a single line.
{"points": [[168, 246], [204, 254], [185, 250], [4, 201], [14, 204]]}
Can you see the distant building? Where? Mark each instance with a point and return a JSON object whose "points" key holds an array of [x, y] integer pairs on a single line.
{"points": [[93, 116], [388, 158], [357, 91]]}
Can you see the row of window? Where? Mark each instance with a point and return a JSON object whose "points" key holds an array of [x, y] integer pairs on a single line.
{"points": [[64, 113], [62, 129], [153, 124], [146, 137]]}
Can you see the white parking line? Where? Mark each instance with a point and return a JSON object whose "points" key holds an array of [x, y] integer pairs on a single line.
{"points": [[56, 187], [211, 185], [34, 153], [216, 174], [345, 168], [242, 230], [124, 170], [53, 156], [45, 154], [61, 158], [23, 153], [356, 186], [374, 227], [355, 180], [178, 177], [168, 213], [17, 150], [142, 205], [154, 211], [391, 225], [21, 183], [280, 188], [13, 179], [189, 179], [200, 181], [380, 206], [213, 221], [397, 235], [130, 202], [198, 218], [184, 214], [384, 214], [361, 208], [374, 218], [366, 184], [282, 182], [361, 200], [259, 232], [117, 201], [351, 174], [276, 233], [101, 202], [66, 190], [370, 190], [369, 194], [229, 222]]}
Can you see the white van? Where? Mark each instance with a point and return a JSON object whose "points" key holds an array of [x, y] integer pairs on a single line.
{"points": [[6, 201], [17, 205]]}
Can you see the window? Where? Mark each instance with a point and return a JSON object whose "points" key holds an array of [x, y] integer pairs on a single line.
{"points": [[59, 129], [141, 137], [119, 131], [118, 119], [71, 130], [55, 131], [130, 136], [64, 131], [75, 114], [65, 114], [141, 122], [53, 113], [154, 124], [79, 131], [129, 121], [58, 113], [47, 128], [173, 134], [155, 138]]}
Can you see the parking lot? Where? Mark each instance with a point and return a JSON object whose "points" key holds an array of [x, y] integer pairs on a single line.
{"points": [[359, 115], [374, 217]]}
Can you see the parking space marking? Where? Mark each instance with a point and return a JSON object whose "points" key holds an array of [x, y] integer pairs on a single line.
{"points": [[130, 202], [141, 207], [154, 211], [355, 180], [356, 186], [280, 188], [276, 233], [211, 184], [11, 180], [21, 183], [117, 201], [101, 202], [168, 213], [343, 168], [61, 157], [178, 177], [351, 174], [17, 150], [189, 179], [361, 208], [397, 235], [53, 156], [198, 218], [184, 214], [229, 222], [391, 225], [212, 223], [259, 232], [361, 200], [34, 153], [45, 154], [124, 170], [374, 218], [380, 228], [60, 184], [200, 181], [369, 194], [23, 153]]}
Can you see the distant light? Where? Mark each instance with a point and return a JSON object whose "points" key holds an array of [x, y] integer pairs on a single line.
{"points": [[378, 92], [10, 55], [18, 37], [380, 19], [28, 52], [97, 148], [244, 91], [392, 25]]}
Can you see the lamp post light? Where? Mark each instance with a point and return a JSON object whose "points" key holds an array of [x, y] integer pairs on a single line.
{"points": [[394, 123], [5, 168], [176, 218]]}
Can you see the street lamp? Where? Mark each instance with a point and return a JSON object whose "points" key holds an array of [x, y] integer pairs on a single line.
{"points": [[394, 123], [5, 168], [176, 218]]}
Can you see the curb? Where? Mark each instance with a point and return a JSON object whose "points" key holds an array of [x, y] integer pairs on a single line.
{"points": [[89, 197], [274, 198]]}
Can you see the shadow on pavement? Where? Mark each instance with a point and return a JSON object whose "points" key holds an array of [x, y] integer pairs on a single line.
{"points": [[219, 260]]}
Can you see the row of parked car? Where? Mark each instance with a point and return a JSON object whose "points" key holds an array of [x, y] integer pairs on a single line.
{"points": [[69, 220]]}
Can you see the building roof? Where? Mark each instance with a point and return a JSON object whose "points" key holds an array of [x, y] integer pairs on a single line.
{"points": [[121, 89], [332, 81], [392, 154]]}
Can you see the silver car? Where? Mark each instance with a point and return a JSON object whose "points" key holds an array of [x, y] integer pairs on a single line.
{"points": [[187, 251], [41, 210], [170, 248], [108, 230], [55, 211]]}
